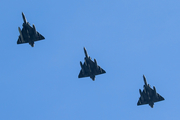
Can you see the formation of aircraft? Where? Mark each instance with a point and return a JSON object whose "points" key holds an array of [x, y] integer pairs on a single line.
{"points": [[89, 68]]}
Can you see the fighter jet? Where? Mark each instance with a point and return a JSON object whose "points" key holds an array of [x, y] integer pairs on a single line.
{"points": [[149, 95], [28, 34], [90, 68]]}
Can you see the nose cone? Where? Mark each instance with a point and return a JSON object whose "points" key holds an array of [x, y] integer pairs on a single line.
{"points": [[84, 48], [22, 14], [145, 82], [144, 77], [85, 52], [25, 21]]}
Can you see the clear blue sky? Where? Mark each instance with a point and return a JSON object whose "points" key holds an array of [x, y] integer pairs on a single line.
{"points": [[128, 39]]}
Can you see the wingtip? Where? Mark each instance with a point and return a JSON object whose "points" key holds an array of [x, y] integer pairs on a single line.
{"points": [[103, 71], [138, 104], [79, 76]]}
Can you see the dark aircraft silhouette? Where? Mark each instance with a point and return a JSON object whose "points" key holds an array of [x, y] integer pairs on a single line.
{"points": [[90, 68], [28, 34], [149, 95]]}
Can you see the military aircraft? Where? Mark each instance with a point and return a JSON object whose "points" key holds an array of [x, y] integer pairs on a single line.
{"points": [[90, 68], [149, 95], [28, 34]]}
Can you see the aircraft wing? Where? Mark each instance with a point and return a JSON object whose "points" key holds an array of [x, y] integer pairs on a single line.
{"points": [[26, 38], [159, 98], [81, 74], [20, 41], [144, 101], [140, 102], [39, 37], [100, 71], [96, 71]]}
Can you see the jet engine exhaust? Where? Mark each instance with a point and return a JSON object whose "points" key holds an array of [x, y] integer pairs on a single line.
{"points": [[92, 77]]}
